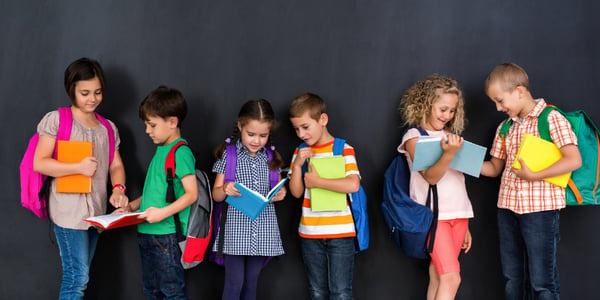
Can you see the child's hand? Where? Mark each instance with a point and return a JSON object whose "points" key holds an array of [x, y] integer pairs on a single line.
{"points": [[301, 157], [524, 172], [280, 195], [118, 199], [468, 241], [230, 190], [120, 210], [452, 144], [88, 166], [311, 177], [153, 215]]}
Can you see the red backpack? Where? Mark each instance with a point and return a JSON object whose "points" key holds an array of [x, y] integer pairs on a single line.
{"points": [[35, 186]]}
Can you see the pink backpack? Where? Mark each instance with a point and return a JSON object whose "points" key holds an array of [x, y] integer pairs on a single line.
{"points": [[35, 186]]}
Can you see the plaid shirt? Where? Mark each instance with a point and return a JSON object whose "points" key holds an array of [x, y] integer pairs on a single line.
{"points": [[522, 196]]}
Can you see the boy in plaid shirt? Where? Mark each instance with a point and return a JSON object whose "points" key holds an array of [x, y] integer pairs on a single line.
{"points": [[528, 207]]}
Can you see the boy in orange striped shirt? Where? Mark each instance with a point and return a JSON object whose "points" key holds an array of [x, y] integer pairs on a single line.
{"points": [[327, 237]]}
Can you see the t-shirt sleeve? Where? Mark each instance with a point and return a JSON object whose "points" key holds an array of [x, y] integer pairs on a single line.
{"points": [[561, 131], [498, 150], [185, 163], [48, 126], [219, 166], [410, 134], [292, 163], [350, 159]]}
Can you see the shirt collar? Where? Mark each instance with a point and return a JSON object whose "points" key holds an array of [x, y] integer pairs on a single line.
{"points": [[535, 112]]}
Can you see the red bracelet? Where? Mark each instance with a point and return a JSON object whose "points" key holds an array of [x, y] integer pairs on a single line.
{"points": [[120, 186], [224, 188], [129, 206]]}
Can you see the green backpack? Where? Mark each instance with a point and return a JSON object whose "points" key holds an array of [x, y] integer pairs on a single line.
{"points": [[582, 188]]}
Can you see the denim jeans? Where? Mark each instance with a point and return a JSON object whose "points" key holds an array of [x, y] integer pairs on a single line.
{"points": [[329, 265], [162, 272], [528, 245], [76, 252]]}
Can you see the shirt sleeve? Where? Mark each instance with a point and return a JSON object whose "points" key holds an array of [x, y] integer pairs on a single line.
{"points": [[292, 162], [561, 131], [219, 166], [410, 134], [185, 163], [48, 126], [350, 159]]}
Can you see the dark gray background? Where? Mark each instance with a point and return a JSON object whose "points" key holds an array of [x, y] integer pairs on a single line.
{"points": [[358, 55]]}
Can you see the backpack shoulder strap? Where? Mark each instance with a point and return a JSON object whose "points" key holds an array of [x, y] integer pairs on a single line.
{"points": [[338, 146], [170, 197], [111, 137], [230, 163], [504, 131], [65, 123]]}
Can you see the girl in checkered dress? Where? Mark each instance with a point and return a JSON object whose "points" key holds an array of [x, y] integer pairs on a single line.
{"points": [[247, 243]]}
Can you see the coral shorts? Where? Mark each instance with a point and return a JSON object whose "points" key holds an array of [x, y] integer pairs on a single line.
{"points": [[449, 239]]}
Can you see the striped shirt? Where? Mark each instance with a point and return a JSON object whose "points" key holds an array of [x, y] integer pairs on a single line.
{"points": [[522, 196], [327, 224]]}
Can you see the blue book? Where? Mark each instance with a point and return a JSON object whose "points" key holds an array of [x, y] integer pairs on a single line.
{"points": [[252, 203], [468, 159]]}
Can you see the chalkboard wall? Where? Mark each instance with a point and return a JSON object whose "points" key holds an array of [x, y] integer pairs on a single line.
{"points": [[358, 55]]}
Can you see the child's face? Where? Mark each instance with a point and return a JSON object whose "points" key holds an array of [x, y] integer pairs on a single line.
{"points": [[161, 131], [506, 101], [442, 111], [255, 135], [310, 130], [88, 94]]}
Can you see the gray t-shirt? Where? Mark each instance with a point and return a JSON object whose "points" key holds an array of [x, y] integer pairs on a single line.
{"points": [[69, 210]]}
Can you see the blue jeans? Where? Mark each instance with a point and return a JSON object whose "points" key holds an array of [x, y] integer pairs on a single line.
{"points": [[329, 265], [76, 252], [528, 245], [162, 272]]}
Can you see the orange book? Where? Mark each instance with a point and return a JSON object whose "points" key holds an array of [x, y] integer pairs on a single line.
{"points": [[71, 152]]}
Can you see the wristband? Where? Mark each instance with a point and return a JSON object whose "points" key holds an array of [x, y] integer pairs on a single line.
{"points": [[224, 188], [120, 186], [129, 207]]}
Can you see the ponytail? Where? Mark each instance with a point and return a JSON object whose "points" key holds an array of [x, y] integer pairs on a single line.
{"points": [[218, 152]]}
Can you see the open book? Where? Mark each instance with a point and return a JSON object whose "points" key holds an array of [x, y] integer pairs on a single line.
{"points": [[539, 154], [116, 220], [252, 203], [468, 159]]}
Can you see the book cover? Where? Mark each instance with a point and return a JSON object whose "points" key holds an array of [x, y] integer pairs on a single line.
{"points": [[252, 203], [116, 220], [468, 159], [539, 154], [331, 167], [71, 152]]}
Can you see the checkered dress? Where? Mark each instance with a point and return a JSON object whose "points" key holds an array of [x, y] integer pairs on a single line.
{"points": [[244, 236]]}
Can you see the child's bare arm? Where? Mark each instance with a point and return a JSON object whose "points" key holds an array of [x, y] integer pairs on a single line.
{"points": [[295, 182], [492, 167], [437, 170], [155, 214], [570, 161]]}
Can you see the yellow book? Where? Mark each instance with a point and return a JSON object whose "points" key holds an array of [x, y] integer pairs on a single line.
{"points": [[331, 167], [71, 152], [539, 154]]}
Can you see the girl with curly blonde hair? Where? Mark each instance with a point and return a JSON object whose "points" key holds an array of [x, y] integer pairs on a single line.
{"points": [[436, 105]]}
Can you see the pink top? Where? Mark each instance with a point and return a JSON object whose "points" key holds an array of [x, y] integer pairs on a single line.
{"points": [[453, 199]]}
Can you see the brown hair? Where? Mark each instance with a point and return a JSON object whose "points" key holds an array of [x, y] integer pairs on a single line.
{"points": [[509, 75], [308, 102], [258, 110], [164, 102], [82, 69]]}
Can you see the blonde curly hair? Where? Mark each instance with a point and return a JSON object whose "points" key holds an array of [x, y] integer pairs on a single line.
{"points": [[416, 103]]}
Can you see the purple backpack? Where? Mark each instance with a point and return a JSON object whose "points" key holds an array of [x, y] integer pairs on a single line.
{"points": [[220, 208], [35, 186]]}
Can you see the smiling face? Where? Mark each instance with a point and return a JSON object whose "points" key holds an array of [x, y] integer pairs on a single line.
{"points": [[442, 111], [507, 102], [88, 94], [254, 135], [161, 131]]}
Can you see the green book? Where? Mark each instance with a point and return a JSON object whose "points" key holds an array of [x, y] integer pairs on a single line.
{"points": [[331, 168]]}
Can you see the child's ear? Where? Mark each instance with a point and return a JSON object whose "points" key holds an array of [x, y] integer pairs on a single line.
{"points": [[323, 119], [239, 126], [173, 122]]}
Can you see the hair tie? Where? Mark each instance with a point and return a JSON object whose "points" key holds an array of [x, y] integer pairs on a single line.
{"points": [[227, 140], [272, 148]]}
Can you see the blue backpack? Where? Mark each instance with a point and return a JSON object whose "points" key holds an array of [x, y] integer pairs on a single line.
{"points": [[408, 221], [357, 202]]}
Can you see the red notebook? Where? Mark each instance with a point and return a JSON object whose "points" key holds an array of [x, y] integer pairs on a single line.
{"points": [[116, 220], [71, 152]]}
